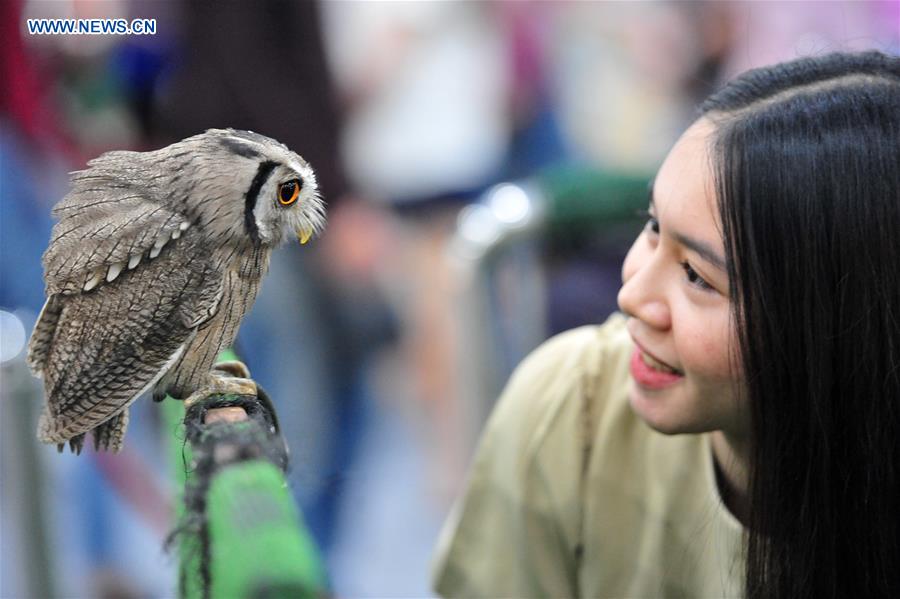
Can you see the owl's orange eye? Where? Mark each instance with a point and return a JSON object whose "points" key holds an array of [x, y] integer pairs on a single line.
{"points": [[289, 192]]}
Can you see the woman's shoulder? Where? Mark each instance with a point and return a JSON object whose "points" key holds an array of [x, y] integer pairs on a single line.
{"points": [[522, 503]]}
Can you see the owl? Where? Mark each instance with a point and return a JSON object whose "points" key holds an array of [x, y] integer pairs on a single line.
{"points": [[154, 261]]}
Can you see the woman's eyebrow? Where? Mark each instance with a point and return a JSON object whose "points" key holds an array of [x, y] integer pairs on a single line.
{"points": [[700, 248]]}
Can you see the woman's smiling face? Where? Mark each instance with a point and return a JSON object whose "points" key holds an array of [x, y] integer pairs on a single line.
{"points": [[675, 292]]}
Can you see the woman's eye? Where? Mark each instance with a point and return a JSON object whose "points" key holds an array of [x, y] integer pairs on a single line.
{"points": [[695, 279], [652, 224]]}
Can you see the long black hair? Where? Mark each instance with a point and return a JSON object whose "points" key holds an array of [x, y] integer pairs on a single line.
{"points": [[806, 156]]}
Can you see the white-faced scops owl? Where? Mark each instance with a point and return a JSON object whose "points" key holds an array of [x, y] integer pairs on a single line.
{"points": [[154, 261]]}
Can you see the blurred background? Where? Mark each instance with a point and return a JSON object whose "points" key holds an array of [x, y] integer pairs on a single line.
{"points": [[481, 162]]}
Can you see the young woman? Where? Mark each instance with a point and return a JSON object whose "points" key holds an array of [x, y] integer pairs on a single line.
{"points": [[736, 429]]}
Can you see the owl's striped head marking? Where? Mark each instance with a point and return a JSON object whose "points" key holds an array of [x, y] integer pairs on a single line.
{"points": [[280, 197], [262, 174]]}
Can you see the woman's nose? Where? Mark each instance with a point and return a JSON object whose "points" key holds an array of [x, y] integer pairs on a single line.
{"points": [[642, 294]]}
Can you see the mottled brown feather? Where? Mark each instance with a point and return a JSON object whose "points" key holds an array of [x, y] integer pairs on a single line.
{"points": [[111, 343]]}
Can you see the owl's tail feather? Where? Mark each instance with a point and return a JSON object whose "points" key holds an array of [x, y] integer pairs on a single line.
{"points": [[42, 337], [110, 435]]}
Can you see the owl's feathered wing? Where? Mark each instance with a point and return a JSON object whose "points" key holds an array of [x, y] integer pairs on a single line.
{"points": [[128, 283], [114, 216]]}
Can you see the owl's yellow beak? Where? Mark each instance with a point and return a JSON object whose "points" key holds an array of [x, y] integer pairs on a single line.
{"points": [[303, 234]]}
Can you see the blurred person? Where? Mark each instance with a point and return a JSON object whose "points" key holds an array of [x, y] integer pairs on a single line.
{"points": [[442, 101], [733, 431], [620, 75], [29, 136], [68, 526], [425, 88]]}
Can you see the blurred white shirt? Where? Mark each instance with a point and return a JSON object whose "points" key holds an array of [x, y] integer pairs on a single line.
{"points": [[427, 85]]}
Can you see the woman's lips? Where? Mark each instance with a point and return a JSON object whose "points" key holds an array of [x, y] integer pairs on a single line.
{"points": [[650, 377]]}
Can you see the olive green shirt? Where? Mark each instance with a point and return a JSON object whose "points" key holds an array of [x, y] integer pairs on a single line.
{"points": [[572, 495]]}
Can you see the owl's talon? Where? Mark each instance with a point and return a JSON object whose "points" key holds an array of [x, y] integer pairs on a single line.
{"points": [[234, 368], [222, 385], [159, 394]]}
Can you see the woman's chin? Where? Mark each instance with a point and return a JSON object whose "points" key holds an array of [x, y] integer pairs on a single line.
{"points": [[661, 411]]}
